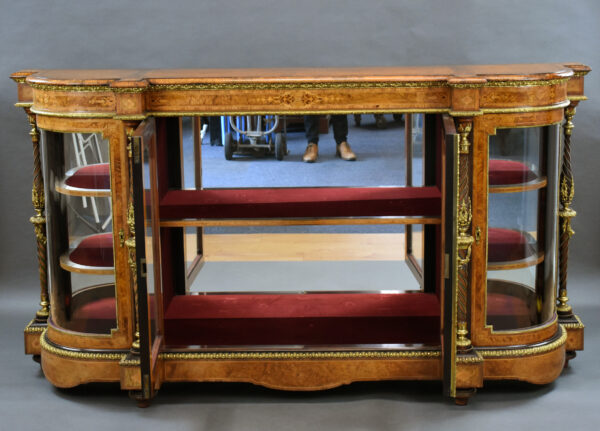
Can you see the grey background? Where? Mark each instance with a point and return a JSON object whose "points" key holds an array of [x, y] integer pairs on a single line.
{"points": [[261, 33]]}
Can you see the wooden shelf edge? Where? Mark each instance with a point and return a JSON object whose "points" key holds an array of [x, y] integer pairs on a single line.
{"points": [[536, 259], [299, 221], [64, 189], [536, 184]]}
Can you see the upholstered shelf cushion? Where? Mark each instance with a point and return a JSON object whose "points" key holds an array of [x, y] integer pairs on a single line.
{"points": [[307, 319], [506, 245], [94, 251], [317, 318], [506, 172], [301, 202], [93, 177]]}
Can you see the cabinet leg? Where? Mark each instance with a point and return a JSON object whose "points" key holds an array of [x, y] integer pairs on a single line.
{"points": [[463, 395], [571, 354], [141, 402]]}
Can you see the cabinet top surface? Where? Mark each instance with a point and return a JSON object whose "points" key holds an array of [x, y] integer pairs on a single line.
{"points": [[477, 74]]}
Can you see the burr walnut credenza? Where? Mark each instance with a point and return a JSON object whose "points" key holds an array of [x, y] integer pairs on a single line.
{"points": [[121, 236]]}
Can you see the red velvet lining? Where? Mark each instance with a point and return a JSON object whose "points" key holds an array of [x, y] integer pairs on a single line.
{"points": [[96, 317], [505, 245], [105, 308], [504, 172], [96, 177], [301, 202], [302, 319], [507, 312], [501, 304], [94, 250], [269, 306]]}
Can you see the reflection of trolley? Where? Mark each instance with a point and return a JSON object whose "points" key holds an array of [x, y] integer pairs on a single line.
{"points": [[252, 135]]}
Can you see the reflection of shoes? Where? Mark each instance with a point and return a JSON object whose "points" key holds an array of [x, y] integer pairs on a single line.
{"points": [[345, 152], [311, 153], [380, 121]]}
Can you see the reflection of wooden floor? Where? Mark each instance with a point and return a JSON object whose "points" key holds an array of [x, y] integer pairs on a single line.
{"points": [[301, 247]]}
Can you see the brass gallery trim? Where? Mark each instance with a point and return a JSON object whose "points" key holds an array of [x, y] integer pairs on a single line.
{"points": [[412, 354], [32, 329], [87, 88], [526, 109], [527, 351], [288, 112], [526, 83], [24, 104], [465, 113], [296, 86], [20, 80], [516, 83], [476, 359], [578, 325], [292, 86], [579, 73], [191, 356], [130, 117], [577, 98], [129, 362], [78, 354]]}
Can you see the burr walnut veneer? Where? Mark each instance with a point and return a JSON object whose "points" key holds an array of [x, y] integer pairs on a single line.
{"points": [[487, 229]]}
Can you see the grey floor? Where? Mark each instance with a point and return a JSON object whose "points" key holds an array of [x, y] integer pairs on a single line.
{"points": [[304, 276], [28, 401]]}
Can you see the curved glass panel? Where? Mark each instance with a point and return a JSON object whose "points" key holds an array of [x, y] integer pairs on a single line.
{"points": [[79, 230], [522, 228]]}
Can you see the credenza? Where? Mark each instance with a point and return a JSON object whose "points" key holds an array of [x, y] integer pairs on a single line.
{"points": [[121, 233]]}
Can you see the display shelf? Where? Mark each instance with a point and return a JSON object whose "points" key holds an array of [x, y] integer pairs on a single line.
{"points": [[303, 319], [319, 202], [536, 184], [91, 255], [91, 180], [511, 249], [508, 176]]}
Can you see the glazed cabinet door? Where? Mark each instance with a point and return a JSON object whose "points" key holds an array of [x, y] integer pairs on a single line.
{"points": [[450, 285], [149, 278], [522, 227], [80, 235]]}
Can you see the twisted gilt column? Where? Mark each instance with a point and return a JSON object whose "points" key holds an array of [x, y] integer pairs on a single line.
{"points": [[567, 189], [39, 220]]}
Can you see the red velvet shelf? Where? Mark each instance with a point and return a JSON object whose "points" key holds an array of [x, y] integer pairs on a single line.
{"points": [[508, 245], [94, 177], [301, 202], [90, 180], [509, 172], [93, 254], [304, 319]]}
